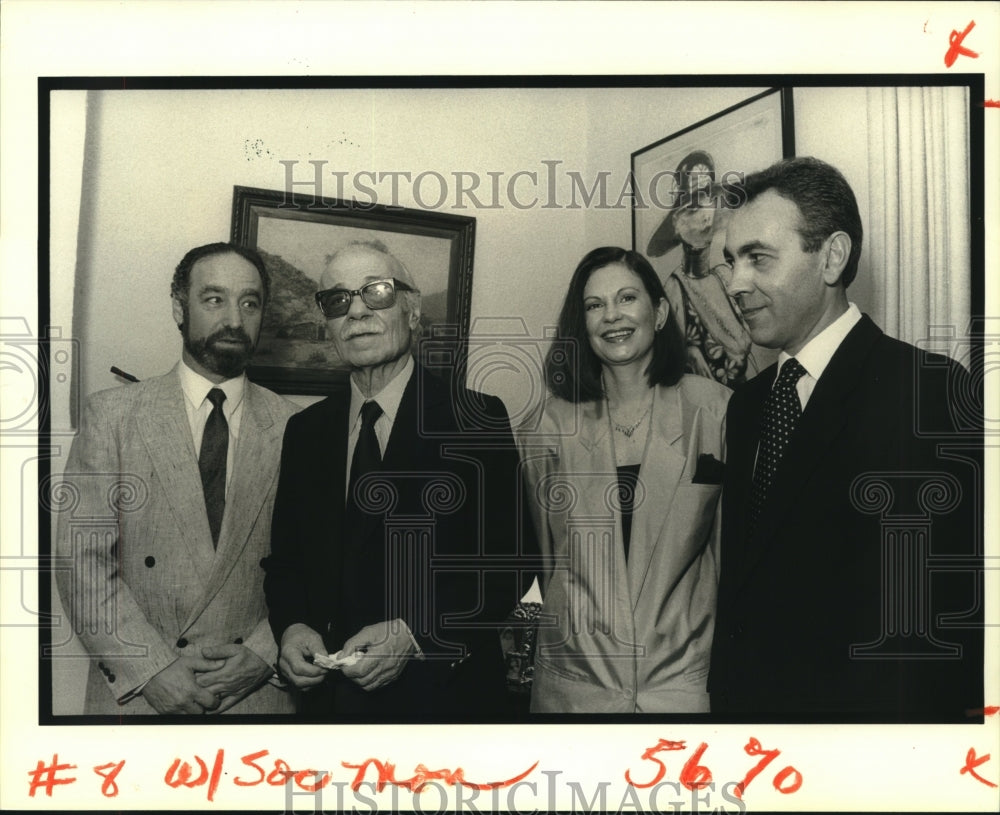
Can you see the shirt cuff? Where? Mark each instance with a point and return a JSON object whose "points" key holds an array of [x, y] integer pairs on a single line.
{"points": [[124, 699]]}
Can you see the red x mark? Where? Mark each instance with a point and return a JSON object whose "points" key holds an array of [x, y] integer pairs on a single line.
{"points": [[957, 49], [971, 762]]}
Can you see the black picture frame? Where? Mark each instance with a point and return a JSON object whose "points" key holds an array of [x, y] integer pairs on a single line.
{"points": [[775, 103], [294, 232], [679, 218]]}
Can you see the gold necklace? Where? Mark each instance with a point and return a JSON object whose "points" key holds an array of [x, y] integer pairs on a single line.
{"points": [[628, 431]]}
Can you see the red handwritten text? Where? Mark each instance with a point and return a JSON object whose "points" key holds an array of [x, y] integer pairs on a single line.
{"points": [[421, 776], [662, 746], [274, 772], [694, 775], [753, 748], [956, 49], [109, 772], [972, 760], [278, 776], [49, 772], [180, 774]]}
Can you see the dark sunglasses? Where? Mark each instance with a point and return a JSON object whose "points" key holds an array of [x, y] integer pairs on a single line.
{"points": [[376, 295]]}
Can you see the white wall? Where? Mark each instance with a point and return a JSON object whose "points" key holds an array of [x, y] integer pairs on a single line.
{"points": [[832, 124]]}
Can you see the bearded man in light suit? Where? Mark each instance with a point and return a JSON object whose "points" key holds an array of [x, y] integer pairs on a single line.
{"points": [[168, 597]]}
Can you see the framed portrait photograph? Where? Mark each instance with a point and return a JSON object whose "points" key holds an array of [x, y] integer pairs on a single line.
{"points": [[296, 235], [679, 223]]}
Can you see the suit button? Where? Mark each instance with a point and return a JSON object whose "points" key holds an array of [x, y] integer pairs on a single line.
{"points": [[238, 641], [182, 643], [100, 665], [150, 562], [111, 678], [263, 562]]}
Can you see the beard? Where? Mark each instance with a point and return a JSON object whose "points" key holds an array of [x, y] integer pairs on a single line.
{"points": [[226, 361]]}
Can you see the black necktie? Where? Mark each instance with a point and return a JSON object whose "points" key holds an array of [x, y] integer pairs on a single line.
{"points": [[781, 413], [212, 462], [367, 455]]}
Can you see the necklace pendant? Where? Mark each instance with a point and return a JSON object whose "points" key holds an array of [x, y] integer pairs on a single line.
{"points": [[628, 430]]}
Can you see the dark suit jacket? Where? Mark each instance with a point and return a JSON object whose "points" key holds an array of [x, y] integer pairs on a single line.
{"points": [[442, 558], [835, 608]]}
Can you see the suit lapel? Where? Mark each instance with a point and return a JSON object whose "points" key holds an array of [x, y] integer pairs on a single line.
{"points": [[742, 439], [590, 470], [594, 431], [660, 473], [331, 449], [248, 488], [162, 421], [402, 448], [327, 461], [821, 424]]}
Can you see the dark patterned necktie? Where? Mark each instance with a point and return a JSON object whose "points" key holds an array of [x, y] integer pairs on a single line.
{"points": [[212, 462], [781, 414], [367, 455]]}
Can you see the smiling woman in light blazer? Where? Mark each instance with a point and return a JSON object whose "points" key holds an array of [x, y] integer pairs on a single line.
{"points": [[624, 462]]}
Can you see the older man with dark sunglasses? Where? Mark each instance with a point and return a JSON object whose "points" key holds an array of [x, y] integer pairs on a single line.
{"points": [[392, 500]]}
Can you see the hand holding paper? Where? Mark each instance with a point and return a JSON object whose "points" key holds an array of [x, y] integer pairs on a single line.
{"points": [[300, 646], [387, 646]]}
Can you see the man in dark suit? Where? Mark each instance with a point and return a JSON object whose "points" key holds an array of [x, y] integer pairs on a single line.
{"points": [[850, 586], [395, 501]]}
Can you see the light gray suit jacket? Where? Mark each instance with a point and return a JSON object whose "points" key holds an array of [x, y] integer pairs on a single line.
{"points": [[635, 636], [137, 571]]}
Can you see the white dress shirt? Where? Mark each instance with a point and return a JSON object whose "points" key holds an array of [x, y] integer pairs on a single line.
{"points": [[198, 408], [388, 399], [816, 354]]}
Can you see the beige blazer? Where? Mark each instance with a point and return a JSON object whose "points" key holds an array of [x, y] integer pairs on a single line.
{"points": [[136, 568], [621, 637]]}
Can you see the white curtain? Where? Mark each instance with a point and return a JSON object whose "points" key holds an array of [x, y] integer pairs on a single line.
{"points": [[919, 223]]}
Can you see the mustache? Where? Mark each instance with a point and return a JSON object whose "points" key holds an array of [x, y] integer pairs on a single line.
{"points": [[359, 328], [229, 334]]}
